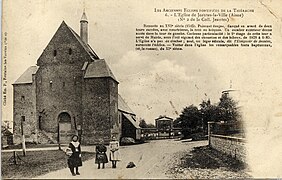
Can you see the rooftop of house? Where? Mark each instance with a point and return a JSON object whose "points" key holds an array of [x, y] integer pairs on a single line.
{"points": [[164, 118]]}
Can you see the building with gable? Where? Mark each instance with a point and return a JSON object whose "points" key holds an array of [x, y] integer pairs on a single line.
{"points": [[70, 91]]}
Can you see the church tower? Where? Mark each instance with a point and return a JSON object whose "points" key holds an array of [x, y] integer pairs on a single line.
{"points": [[84, 28]]}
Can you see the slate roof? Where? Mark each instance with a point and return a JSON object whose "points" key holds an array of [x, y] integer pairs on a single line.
{"points": [[131, 120], [122, 106], [26, 77], [87, 48], [98, 68]]}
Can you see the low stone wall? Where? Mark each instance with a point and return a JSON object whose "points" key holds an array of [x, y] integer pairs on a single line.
{"points": [[233, 146]]}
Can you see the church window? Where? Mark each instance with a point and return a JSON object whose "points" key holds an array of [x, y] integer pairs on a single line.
{"points": [[40, 122], [74, 80], [64, 84], [23, 118], [22, 98], [70, 51], [116, 107], [55, 53]]}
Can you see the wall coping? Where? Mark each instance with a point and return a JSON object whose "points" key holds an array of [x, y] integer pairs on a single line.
{"points": [[229, 137]]}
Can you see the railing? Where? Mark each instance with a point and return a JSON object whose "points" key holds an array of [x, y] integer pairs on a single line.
{"points": [[227, 128]]}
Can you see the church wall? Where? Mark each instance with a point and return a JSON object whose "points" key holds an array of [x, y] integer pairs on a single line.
{"points": [[24, 107], [115, 123], [59, 90], [59, 86], [59, 80], [96, 111]]}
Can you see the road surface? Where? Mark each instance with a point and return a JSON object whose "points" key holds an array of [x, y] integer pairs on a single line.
{"points": [[152, 160]]}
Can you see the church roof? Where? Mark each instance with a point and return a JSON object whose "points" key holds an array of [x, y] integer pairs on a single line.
{"points": [[98, 68], [122, 106], [26, 77], [87, 48]]}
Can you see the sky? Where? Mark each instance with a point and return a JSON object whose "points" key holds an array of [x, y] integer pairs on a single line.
{"points": [[150, 80]]}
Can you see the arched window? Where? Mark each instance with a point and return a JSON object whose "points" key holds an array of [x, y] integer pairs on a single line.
{"points": [[64, 117], [70, 51]]}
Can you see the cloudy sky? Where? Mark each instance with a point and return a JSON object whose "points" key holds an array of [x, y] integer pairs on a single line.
{"points": [[150, 80]]}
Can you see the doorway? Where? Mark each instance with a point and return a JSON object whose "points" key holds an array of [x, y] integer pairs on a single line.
{"points": [[65, 132]]}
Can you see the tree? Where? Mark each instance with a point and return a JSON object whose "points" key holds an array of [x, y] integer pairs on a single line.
{"points": [[143, 123], [228, 109], [225, 110], [150, 125], [209, 112], [189, 120]]}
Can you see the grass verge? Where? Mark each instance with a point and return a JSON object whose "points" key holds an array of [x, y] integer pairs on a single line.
{"points": [[36, 163], [206, 163]]}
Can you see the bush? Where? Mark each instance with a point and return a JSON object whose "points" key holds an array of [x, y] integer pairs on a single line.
{"points": [[127, 141]]}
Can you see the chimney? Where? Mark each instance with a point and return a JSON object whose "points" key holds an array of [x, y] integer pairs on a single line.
{"points": [[84, 28]]}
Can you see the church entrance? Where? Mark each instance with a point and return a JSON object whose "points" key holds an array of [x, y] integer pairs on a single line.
{"points": [[65, 132]]}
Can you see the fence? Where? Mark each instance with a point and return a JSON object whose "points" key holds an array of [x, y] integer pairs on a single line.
{"points": [[228, 128]]}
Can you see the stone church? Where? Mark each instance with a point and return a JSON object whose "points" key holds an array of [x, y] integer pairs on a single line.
{"points": [[70, 91]]}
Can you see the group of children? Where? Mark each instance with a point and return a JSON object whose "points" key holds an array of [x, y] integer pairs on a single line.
{"points": [[74, 160]]}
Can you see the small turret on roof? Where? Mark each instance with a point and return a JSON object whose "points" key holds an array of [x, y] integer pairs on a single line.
{"points": [[83, 17]]}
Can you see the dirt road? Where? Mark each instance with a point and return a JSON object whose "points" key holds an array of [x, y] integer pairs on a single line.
{"points": [[152, 160]]}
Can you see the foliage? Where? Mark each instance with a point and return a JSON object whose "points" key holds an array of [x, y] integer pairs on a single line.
{"points": [[150, 125], [209, 112], [143, 124], [189, 120], [193, 120], [228, 109]]}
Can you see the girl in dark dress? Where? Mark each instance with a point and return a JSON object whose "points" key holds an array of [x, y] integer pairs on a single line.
{"points": [[74, 161], [101, 156]]}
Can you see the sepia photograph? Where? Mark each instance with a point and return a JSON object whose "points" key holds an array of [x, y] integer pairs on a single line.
{"points": [[128, 89]]}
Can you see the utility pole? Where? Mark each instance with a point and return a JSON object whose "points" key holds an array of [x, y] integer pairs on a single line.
{"points": [[59, 144], [23, 138]]}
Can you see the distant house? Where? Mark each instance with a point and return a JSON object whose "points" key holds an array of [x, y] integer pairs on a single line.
{"points": [[6, 137], [127, 117], [164, 126]]}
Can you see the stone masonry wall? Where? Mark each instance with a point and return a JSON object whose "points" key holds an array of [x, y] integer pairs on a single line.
{"points": [[96, 111], [24, 106], [59, 80], [229, 145], [115, 123]]}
